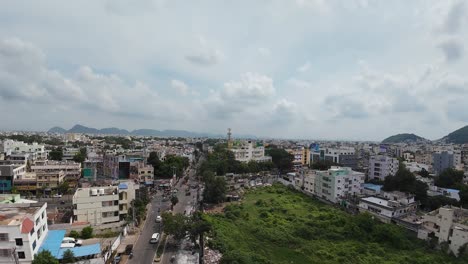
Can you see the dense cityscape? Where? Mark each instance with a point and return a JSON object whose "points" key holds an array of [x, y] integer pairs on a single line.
{"points": [[114, 198], [234, 132]]}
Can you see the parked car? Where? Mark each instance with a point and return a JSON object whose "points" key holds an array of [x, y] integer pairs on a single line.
{"points": [[57, 196], [70, 242]]}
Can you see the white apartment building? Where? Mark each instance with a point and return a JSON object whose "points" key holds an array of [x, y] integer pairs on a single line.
{"points": [[381, 166], [249, 150], [71, 169], [392, 204], [37, 151], [102, 205], [448, 224], [338, 183], [416, 167], [23, 228]]}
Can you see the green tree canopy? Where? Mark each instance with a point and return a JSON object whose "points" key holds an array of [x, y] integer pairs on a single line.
{"points": [[68, 257], [449, 178], [215, 189], [405, 181], [44, 257], [87, 232], [281, 158], [323, 165], [56, 154], [175, 225]]}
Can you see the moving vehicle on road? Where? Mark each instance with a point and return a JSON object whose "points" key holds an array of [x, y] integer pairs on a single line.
{"points": [[158, 219], [154, 238]]}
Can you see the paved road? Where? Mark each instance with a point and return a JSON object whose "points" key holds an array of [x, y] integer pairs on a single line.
{"points": [[143, 251], [181, 250]]}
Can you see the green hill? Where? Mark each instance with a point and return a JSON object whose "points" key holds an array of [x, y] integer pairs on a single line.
{"points": [[404, 138], [459, 136]]}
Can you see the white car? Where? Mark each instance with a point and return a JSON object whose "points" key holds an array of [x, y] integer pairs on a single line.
{"points": [[70, 242], [154, 238], [57, 196], [158, 219]]}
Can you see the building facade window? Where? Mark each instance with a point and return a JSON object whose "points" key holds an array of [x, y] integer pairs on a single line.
{"points": [[19, 241], [4, 237], [21, 255]]}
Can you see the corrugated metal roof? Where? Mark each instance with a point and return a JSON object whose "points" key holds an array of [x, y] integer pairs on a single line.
{"points": [[53, 241], [82, 251]]}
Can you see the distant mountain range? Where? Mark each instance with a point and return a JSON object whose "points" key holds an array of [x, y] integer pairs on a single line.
{"points": [[459, 136], [138, 132]]}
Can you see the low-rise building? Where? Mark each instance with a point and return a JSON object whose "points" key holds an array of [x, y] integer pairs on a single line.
{"points": [[71, 169], [338, 183], [390, 205], [23, 228], [447, 224]]}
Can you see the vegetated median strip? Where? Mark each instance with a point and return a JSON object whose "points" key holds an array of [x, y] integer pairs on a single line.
{"points": [[160, 249]]}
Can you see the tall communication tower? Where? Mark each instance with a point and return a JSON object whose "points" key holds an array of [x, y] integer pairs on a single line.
{"points": [[229, 134]]}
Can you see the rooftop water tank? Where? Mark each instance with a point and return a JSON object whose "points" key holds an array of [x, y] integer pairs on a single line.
{"points": [[94, 192], [101, 191]]}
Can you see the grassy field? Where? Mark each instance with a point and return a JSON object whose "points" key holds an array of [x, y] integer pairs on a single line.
{"points": [[279, 225]]}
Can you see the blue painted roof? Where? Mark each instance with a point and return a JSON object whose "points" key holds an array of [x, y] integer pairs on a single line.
{"points": [[123, 186], [53, 241], [82, 251], [372, 186], [452, 190]]}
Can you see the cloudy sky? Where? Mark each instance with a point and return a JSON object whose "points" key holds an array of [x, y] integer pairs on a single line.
{"points": [[320, 69]]}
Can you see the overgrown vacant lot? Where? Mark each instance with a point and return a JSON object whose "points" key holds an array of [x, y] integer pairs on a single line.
{"points": [[279, 225]]}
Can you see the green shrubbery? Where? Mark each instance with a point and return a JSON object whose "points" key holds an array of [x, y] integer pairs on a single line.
{"points": [[275, 225]]}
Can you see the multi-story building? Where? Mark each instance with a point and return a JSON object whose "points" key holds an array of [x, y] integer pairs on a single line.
{"points": [[49, 180], [23, 228], [392, 204], [381, 166], [447, 224], [8, 173], [338, 183], [442, 160], [249, 150], [71, 169], [145, 173], [26, 183], [102, 205], [423, 158], [301, 156], [36, 151], [69, 153], [345, 156]]}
